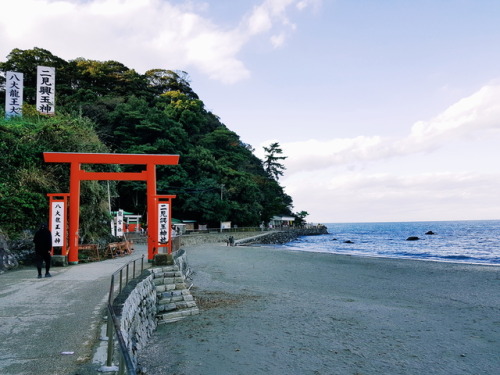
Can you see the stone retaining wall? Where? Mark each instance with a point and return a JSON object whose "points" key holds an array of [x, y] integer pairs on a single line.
{"points": [[161, 297], [138, 316]]}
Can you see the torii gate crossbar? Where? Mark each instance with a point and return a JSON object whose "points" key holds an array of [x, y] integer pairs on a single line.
{"points": [[77, 175]]}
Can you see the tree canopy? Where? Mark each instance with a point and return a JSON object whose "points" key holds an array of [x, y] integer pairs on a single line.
{"points": [[103, 106], [272, 165]]}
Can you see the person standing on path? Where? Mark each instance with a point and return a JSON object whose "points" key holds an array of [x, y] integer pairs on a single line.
{"points": [[43, 246]]}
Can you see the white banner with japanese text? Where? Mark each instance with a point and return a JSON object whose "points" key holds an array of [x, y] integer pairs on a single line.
{"points": [[163, 222], [45, 89], [14, 94], [119, 223], [58, 223]]}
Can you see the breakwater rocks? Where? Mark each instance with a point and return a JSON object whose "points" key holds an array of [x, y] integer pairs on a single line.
{"points": [[281, 237], [275, 236]]}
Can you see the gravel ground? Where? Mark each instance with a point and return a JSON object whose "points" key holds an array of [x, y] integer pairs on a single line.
{"points": [[268, 311]]}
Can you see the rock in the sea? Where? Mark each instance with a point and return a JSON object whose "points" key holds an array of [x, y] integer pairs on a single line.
{"points": [[348, 241], [430, 232], [412, 238]]}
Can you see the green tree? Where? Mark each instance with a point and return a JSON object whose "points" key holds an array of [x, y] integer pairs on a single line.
{"points": [[162, 81], [26, 62], [272, 159], [111, 108], [300, 217], [25, 179]]}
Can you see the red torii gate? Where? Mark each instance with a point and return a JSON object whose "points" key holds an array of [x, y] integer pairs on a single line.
{"points": [[77, 174]]}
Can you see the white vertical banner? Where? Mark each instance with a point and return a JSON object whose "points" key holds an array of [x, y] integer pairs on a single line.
{"points": [[58, 223], [163, 222], [14, 85], [45, 89], [113, 232], [119, 223]]}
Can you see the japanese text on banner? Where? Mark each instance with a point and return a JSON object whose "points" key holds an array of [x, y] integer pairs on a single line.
{"points": [[119, 223], [45, 89], [58, 224], [14, 94], [163, 223]]}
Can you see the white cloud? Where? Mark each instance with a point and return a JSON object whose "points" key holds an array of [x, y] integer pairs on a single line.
{"points": [[473, 117], [478, 111], [278, 40], [272, 14], [341, 179], [142, 34], [314, 4], [259, 20], [355, 197]]}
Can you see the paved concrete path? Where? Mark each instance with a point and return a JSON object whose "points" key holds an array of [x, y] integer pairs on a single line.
{"points": [[42, 318]]}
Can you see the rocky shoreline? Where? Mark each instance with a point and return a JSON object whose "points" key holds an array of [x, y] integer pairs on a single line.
{"points": [[281, 237]]}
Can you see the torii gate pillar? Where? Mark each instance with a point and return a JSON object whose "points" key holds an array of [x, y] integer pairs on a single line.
{"points": [[77, 175]]}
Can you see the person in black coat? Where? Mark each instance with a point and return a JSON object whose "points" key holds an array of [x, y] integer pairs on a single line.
{"points": [[43, 246]]}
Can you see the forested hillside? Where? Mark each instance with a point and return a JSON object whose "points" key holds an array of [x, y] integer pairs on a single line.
{"points": [[107, 107]]}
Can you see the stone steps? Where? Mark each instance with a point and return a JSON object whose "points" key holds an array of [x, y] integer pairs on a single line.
{"points": [[177, 315], [174, 300]]}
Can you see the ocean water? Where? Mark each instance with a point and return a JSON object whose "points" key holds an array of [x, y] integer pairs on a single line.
{"points": [[453, 241]]}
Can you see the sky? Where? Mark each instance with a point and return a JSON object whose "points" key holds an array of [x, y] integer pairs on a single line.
{"points": [[387, 110]]}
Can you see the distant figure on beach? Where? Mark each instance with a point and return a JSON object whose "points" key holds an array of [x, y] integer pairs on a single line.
{"points": [[230, 241], [43, 245]]}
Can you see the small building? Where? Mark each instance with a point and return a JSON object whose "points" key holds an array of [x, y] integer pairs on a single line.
{"points": [[184, 225], [225, 225], [179, 226], [190, 224], [282, 221]]}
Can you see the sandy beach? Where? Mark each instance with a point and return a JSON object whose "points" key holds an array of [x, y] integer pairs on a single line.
{"points": [[267, 311]]}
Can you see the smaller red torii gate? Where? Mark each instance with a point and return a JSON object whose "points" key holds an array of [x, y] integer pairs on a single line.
{"points": [[77, 174]]}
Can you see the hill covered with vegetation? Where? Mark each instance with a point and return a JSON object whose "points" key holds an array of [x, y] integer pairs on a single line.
{"points": [[106, 107]]}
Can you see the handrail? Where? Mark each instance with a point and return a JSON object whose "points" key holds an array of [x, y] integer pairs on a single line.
{"points": [[113, 326]]}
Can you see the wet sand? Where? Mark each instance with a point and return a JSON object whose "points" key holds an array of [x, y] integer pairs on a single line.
{"points": [[267, 311]]}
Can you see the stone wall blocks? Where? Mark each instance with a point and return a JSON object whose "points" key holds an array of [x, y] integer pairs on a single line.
{"points": [[160, 289], [169, 287], [159, 281], [170, 307], [190, 311], [169, 280], [180, 286]]}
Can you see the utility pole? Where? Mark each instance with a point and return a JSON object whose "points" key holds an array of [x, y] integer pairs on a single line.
{"points": [[221, 190]]}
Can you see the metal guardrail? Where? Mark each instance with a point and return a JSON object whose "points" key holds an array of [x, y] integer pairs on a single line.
{"points": [[125, 275]]}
